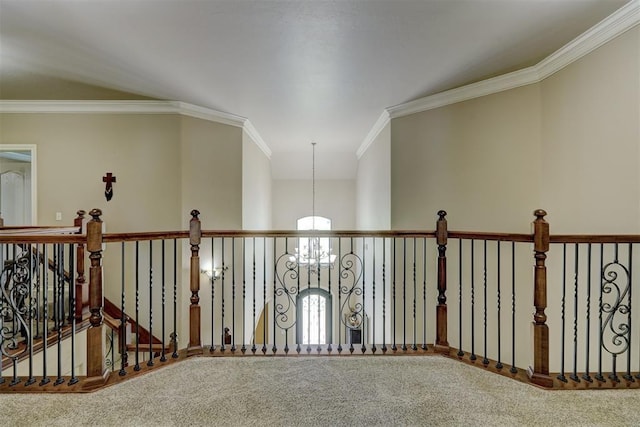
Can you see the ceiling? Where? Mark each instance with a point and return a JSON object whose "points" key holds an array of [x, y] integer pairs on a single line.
{"points": [[301, 71]]}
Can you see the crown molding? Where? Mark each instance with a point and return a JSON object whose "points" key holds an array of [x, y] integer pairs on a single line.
{"points": [[256, 138], [382, 121], [615, 24], [136, 107]]}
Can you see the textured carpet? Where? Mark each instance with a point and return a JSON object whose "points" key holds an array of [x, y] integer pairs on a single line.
{"points": [[321, 391]]}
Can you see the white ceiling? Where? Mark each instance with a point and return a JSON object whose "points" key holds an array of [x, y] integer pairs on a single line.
{"points": [[301, 71]]}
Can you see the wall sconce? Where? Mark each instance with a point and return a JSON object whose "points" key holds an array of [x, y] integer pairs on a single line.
{"points": [[215, 273]]}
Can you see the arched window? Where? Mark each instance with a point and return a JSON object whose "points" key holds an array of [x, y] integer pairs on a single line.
{"points": [[313, 317]]}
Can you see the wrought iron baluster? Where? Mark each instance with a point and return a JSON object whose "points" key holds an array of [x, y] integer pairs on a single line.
{"points": [[574, 375], [150, 361], [174, 335], [599, 375], [424, 293], [513, 369], [233, 295], [384, 295], [72, 317], [628, 375], [163, 357], [363, 331], [33, 266], [253, 283], [59, 318], [393, 296], [330, 332], [264, 297], [339, 295], [298, 347], [586, 375], [123, 326], [136, 367], [243, 348], [274, 349], [485, 361], [222, 327], [460, 276], [45, 316], [414, 346], [561, 376], [499, 275], [404, 294], [212, 281], [473, 302], [373, 296]]}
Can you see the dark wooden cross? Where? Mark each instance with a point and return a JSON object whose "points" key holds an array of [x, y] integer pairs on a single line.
{"points": [[109, 179]]}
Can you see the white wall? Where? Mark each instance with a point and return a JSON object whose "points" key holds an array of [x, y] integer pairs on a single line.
{"points": [[335, 199], [373, 184], [256, 186]]}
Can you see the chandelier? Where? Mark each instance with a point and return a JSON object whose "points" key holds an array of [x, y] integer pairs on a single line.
{"points": [[314, 253]]}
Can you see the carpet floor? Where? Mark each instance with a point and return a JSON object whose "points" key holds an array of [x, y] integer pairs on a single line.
{"points": [[323, 391]]}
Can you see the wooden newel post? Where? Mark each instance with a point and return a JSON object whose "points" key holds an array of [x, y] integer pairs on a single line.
{"points": [[195, 235], [539, 372], [82, 287], [97, 373], [442, 344]]}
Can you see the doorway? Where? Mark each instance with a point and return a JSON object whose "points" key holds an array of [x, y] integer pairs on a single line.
{"points": [[18, 184]]}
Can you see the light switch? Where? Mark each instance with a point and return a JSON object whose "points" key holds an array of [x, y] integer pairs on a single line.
{"points": [[58, 216]]}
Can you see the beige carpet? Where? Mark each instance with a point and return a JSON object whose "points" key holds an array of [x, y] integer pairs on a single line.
{"points": [[323, 391]]}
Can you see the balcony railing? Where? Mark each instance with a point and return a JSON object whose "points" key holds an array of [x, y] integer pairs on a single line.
{"points": [[156, 298]]}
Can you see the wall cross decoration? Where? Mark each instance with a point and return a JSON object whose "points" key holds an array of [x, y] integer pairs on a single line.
{"points": [[109, 179]]}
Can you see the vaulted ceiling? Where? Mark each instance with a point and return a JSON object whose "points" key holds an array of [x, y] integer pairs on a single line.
{"points": [[301, 71]]}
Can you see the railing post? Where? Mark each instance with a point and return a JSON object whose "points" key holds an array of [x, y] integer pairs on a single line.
{"points": [[97, 373], [539, 372], [195, 235], [442, 344], [82, 287]]}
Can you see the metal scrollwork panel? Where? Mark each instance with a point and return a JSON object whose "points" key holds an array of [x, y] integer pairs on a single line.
{"points": [[16, 306], [285, 291], [351, 309], [616, 330]]}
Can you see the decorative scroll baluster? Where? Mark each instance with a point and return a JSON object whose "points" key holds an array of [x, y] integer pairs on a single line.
{"points": [[539, 373], [274, 349], [195, 236]]}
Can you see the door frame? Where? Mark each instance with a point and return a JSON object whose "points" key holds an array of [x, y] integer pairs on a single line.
{"points": [[34, 177]]}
